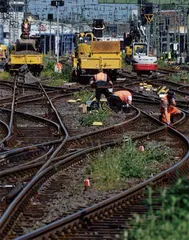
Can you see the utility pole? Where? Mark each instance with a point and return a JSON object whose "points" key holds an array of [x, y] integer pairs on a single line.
{"points": [[179, 33], [50, 40], [184, 46], [57, 4], [158, 32], [50, 18], [188, 32]]}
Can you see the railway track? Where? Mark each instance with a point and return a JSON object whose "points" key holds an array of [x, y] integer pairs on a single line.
{"points": [[42, 176], [28, 207]]}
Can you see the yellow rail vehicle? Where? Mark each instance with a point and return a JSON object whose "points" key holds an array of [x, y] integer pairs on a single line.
{"points": [[26, 53], [91, 55], [27, 59], [3, 54]]}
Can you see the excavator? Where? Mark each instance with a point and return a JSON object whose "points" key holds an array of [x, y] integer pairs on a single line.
{"points": [[26, 52], [137, 50]]}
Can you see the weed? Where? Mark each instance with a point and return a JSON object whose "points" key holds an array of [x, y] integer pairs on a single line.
{"points": [[83, 95], [162, 63], [94, 116], [56, 79], [4, 75], [113, 166]]}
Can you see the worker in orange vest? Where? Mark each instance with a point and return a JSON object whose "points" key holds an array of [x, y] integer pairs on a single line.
{"points": [[119, 99], [101, 82], [168, 109]]}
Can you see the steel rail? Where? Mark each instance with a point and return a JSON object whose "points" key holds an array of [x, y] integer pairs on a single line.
{"points": [[78, 219], [48, 162]]}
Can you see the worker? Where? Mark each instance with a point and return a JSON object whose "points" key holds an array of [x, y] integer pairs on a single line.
{"points": [[168, 108], [101, 82], [119, 99]]}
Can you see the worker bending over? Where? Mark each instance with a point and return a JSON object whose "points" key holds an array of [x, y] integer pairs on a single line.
{"points": [[120, 98], [168, 108], [101, 82]]}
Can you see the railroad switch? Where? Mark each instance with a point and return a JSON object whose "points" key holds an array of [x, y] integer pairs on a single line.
{"points": [[14, 192]]}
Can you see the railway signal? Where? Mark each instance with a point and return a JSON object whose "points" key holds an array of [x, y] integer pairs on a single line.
{"points": [[147, 12]]}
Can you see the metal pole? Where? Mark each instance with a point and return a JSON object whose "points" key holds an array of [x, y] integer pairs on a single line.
{"points": [[148, 38], [57, 32], [154, 35], [62, 39], [175, 28], [50, 39], [179, 34], [45, 43], [9, 32], [168, 40], [184, 46], [188, 32], [158, 35]]}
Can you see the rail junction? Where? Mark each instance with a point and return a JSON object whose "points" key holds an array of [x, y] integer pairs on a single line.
{"points": [[43, 155]]}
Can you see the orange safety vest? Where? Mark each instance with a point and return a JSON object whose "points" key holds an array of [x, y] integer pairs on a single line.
{"points": [[166, 102], [123, 95], [171, 110]]}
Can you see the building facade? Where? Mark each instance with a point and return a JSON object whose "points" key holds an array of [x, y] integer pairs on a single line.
{"points": [[12, 20], [79, 11]]}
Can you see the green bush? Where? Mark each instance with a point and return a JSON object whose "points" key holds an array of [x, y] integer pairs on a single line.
{"points": [[56, 79], [170, 222], [162, 64]]}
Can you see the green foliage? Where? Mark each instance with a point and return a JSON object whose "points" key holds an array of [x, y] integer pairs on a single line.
{"points": [[56, 79], [94, 116], [162, 64], [170, 222], [48, 68], [4, 75], [183, 78], [114, 166], [83, 95]]}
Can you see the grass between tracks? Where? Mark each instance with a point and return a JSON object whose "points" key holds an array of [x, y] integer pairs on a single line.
{"points": [[170, 222], [94, 116], [4, 75], [83, 95], [88, 118], [56, 79], [114, 167]]}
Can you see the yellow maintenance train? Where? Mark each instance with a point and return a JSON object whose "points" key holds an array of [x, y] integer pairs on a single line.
{"points": [[25, 52], [93, 53]]}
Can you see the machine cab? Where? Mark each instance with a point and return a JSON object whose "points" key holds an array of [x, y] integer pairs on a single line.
{"points": [[140, 49]]}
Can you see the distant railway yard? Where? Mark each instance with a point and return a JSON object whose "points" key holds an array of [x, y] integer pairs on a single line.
{"points": [[70, 171]]}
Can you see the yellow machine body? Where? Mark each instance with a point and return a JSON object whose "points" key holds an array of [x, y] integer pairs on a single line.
{"points": [[91, 55], [100, 54], [131, 50], [21, 59], [24, 52], [3, 51], [128, 51]]}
